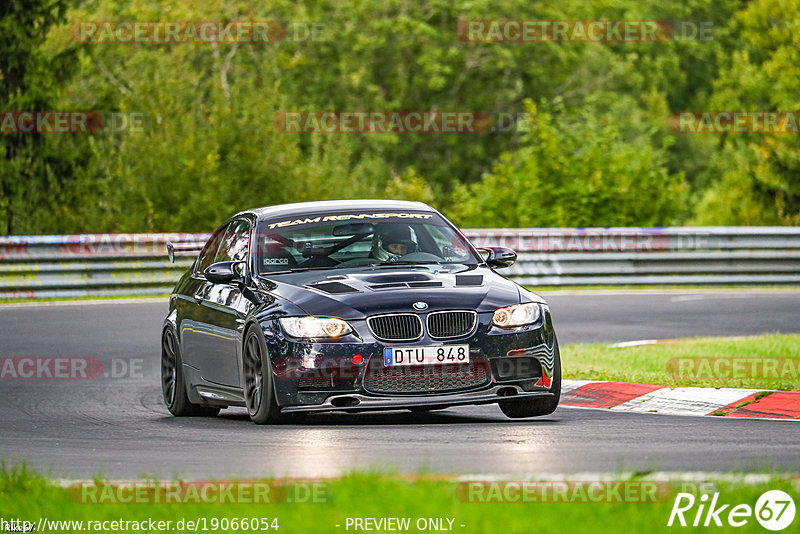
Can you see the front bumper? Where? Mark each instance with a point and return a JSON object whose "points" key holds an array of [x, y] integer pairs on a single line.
{"points": [[359, 402], [322, 377]]}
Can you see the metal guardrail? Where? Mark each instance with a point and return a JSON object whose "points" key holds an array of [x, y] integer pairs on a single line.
{"points": [[120, 264], [90, 265], [636, 256]]}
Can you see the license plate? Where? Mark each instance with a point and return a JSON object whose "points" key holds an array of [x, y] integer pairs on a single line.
{"points": [[436, 355]]}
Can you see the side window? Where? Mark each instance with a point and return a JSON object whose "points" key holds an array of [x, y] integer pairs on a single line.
{"points": [[208, 253], [451, 244], [442, 241], [235, 243]]}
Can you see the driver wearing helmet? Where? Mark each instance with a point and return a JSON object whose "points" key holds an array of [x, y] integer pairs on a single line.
{"points": [[393, 242]]}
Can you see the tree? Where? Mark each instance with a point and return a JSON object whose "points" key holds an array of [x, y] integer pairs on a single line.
{"points": [[573, 170], [30, 169], [759, 173]]}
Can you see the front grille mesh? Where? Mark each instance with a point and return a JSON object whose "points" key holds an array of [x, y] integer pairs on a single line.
{"points": [[426, 379], [451, 323], [399, 327], [313, 383]]}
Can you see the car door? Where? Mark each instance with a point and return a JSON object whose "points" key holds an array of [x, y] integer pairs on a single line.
{"points": [[190, 311], [220, 313]]}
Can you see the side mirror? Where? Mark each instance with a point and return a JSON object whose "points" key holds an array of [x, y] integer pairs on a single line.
{"points": [[224, 272], [500, 257]]}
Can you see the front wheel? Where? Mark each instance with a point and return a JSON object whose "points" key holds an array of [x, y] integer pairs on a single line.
{"points": [[259, 389], [173, 382], [517, 409]]}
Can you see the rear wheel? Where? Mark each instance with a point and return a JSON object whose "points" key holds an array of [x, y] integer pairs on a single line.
{"points": [[173, 382], [532, 407], [259, 389]]}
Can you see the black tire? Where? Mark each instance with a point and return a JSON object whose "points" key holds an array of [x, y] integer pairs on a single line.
{"points": [[173, 383], [537, 406], [259, 389]]}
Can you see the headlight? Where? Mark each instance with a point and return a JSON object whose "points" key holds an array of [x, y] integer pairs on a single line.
{"points": [[518, 315], [315, 326]]}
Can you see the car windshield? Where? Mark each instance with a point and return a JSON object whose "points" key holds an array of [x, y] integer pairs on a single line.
{"points": [[358, 239]]}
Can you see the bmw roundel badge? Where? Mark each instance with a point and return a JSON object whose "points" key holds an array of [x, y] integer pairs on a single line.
{"points": [[420, 305]]}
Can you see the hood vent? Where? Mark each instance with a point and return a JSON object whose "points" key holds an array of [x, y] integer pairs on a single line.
{"points": [[425, 284], [469, 279], [334, 288], [381, 279], [396, 285], [405, 285]]}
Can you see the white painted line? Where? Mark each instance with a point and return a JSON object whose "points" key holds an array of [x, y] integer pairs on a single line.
{"points": [[687, 298], [660, 476], [788, 291], [635, 343], [685, 401], [137, 300]]}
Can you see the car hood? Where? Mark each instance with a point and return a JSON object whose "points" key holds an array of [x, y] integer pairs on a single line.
{"points": [[356, 293]]}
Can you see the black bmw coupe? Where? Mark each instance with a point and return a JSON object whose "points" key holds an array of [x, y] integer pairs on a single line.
{"points": [[350, 306]]}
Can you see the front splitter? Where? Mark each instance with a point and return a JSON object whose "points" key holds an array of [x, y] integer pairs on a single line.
{"points": [[358, 402]]}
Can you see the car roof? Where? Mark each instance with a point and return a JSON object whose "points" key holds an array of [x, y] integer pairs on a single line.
{"points": [[327, 206]]}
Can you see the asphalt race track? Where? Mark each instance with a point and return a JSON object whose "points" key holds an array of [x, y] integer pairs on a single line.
{"points": [[120, 427]]}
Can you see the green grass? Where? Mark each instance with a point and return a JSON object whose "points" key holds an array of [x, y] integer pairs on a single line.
{"points": [[651, 364], [27, 496]]}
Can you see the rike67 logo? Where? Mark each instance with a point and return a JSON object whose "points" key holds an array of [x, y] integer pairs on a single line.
{"points": [[774, 510]]}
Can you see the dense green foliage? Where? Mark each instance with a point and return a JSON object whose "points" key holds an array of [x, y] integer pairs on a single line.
{"points": [[594, 148]]}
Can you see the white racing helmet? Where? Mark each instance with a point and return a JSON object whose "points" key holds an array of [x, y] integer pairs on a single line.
{"points": [[393, 241]]}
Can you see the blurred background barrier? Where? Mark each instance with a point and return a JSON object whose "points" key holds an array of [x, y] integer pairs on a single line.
{"points": [[137, 264], [90, 264], [635, 256]]}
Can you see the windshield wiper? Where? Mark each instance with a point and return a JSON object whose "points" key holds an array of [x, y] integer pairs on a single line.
{"points": [[296, 270]]}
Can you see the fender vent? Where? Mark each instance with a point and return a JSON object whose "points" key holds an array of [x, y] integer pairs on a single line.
{"points": [[469, 279]]}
